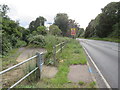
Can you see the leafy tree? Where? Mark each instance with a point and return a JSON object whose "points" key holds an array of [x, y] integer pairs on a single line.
{"points": [[54, 30], [72, 24], [61, 20], [38, 22], [80, 32], [12, 33], [106, 22], [41, 30], [3, 10]]}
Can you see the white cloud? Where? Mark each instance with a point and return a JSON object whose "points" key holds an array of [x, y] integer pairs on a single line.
{"points": [[81, 10]]}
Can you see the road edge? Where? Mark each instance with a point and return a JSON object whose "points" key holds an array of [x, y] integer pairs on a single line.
{"points": [[105, 81]]}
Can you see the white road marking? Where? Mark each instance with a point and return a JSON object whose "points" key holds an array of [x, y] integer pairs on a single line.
{"points": [[105, 81]]}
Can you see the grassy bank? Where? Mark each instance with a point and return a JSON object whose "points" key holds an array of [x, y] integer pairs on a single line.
{"points": [[107, 39], [10, 58], [71, 54]]}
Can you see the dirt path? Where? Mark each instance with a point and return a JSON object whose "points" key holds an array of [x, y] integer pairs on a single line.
{"points": [[28, 52], [47, 71], [79, 73]]}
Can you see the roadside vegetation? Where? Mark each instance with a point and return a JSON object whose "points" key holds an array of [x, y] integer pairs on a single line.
{"points": [[107, 39], [72, 54], [10, 58], [106, 26], [12, 37]]}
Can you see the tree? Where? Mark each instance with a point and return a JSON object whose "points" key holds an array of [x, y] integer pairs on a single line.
{"points": [[106, 22], [72, 24], [54, 30], [80, 32], [38, 22], [61, 20], [12, 33], [41, 30], [3, 10]]}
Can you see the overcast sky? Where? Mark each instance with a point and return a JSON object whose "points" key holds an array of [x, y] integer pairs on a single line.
{"points": [[80, 10]]}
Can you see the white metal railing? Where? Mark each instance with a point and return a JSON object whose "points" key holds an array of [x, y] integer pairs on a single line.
{"points": [[39, 63]]}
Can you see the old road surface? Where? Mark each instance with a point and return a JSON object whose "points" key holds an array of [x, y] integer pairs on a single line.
{"points": [[105, 56]]}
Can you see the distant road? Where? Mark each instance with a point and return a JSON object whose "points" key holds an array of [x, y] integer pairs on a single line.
{"points": [[105, 56]]}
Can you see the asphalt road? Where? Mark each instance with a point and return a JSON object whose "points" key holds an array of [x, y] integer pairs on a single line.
{"points": [[105, 56]]}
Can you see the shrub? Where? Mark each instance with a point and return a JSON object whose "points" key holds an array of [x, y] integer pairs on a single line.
{"points": [[37, 41], [20, 43]]}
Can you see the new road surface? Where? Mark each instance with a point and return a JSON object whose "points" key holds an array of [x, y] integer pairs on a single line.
{"points": [[105, 56]]}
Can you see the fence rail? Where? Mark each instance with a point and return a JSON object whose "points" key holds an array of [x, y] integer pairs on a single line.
{"points": [[39, 63], [55, 51]]}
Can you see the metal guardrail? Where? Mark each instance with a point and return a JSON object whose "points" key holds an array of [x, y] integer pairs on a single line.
{"points": [[39, 63]]}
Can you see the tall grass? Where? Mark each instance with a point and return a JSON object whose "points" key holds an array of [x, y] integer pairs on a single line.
{"points": [[29, 66]]}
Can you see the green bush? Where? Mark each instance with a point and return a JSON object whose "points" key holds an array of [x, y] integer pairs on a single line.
{"points": [[37, 41], [5, 43], [20, 43], [50, 42]]}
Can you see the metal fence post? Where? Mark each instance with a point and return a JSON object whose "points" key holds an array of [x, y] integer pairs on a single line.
{"points": [[38, 63], [61, 46], [54, 54]]}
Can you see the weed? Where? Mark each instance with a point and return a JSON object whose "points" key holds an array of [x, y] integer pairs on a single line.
{"points": [[77, 51], [92, 84], [81, 83]]}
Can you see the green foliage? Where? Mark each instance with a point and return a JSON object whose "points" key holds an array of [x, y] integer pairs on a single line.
{"points": [[13, 35], [80, 32], [61, 20], [81, 83], [68, 57], [73, 24], [106, 23], [10, 58], [29, 66], [116, 31], [20, 43], [6, 44], [74, 53], [38, 22], [41, 30], [92, 84], [3, 10], [37, 41], [107, 39], [54, 30]]}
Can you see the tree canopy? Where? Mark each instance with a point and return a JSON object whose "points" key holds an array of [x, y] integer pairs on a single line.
{"points": [[61, 20], [13, 35], [35, 24], [106, 23], [54, 30]]}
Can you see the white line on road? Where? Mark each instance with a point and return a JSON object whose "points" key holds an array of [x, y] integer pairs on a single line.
{"points": [[105, 81]]}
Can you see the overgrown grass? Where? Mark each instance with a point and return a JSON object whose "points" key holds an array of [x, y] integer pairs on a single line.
{"points": [[68, 57], [107, 39], [71, 54], [10, 58]]}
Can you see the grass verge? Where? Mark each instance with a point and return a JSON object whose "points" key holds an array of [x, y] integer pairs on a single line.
{"points": [[71, 54], [107, 39], [10, 58]]}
